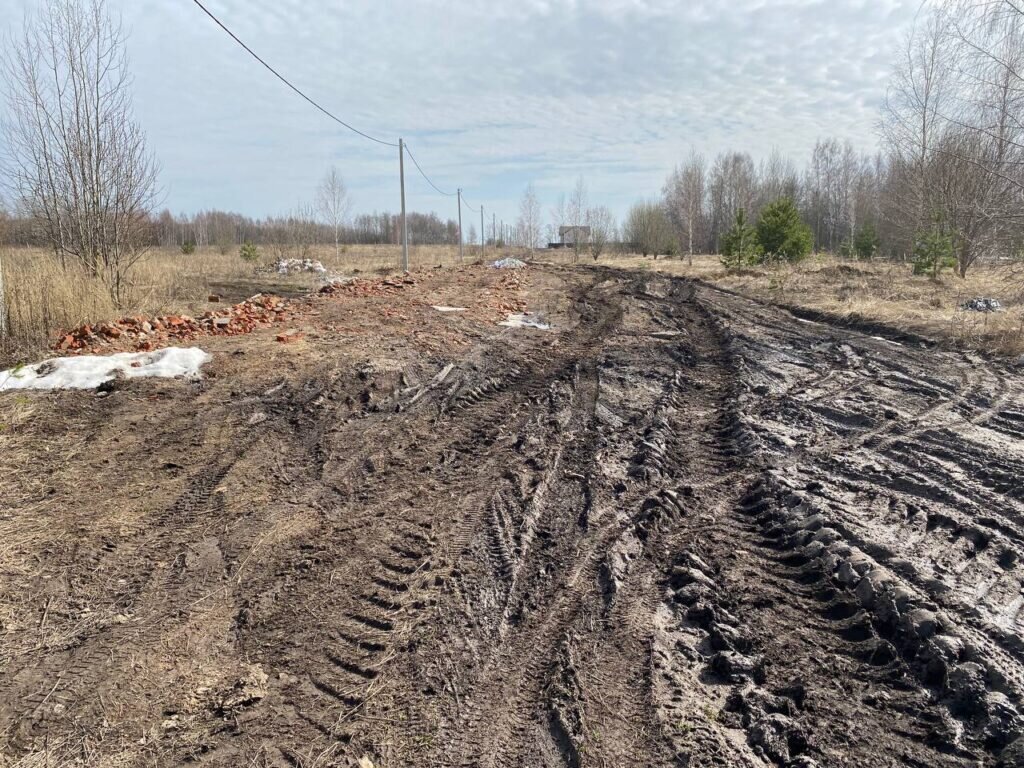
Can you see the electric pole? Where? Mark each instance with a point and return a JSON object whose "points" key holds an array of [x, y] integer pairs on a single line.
{"points": [[405, 223], [483, 235], [460, 226]]}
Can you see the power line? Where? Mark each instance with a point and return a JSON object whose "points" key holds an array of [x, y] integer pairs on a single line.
{"points": [[284, 80], [439, 191], [474, 210]]}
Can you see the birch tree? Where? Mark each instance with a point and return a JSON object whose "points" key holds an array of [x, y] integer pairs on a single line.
{"points": [[529, 224], [75, 156], [602, 229], [685, 198], [333, 204], [577, 214]]}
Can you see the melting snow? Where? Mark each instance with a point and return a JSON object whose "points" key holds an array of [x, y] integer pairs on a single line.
{"points": [[525, 320], [89, 371]]}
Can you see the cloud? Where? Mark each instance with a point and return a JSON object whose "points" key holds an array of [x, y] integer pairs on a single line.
{"points": [[492, 96]]}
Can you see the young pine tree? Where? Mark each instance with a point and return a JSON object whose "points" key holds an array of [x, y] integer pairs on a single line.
{"points": [[739, 244], [782, 234]]}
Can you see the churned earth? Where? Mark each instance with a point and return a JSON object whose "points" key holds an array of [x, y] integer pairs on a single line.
{"points": [[677, 528]]}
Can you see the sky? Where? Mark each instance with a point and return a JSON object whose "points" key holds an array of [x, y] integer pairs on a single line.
{"points": [[491, 95]]}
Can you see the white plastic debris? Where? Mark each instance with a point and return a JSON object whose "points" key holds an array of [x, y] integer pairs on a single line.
{"points": [[449, 309], [293, 266], [509, 263], [89, 371], [525, 320]]}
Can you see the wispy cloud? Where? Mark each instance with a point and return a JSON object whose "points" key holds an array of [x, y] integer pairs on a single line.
{"points": [[495, 95]]}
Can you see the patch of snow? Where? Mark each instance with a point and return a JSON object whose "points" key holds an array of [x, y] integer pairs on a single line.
{"points": [[887, 341], [509, 263], [89, 371], [449, 309], [525, 320]]}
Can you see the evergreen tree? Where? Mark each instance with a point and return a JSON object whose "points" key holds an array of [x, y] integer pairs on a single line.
{"points": [[933, 251], [781, 233], [865, 244], [739, 244]]}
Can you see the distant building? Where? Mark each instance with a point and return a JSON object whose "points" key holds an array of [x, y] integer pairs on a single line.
{"points": [[570, 236]]}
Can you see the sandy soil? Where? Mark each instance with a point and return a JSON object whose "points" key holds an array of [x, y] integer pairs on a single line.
{"points": [[680, 528]]}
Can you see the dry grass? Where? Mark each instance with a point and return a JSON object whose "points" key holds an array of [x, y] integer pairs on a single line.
{"points": [[883, 292], [42, 298]]}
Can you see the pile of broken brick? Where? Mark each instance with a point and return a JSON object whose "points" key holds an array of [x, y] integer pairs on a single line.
{"points": [[365, 288], [143, 333]]}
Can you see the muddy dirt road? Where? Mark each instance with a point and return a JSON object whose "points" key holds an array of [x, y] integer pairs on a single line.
{"points": [[677, 529]]}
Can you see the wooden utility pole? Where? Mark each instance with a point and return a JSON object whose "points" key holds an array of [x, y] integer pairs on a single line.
{"points": [[405, 223], [483, 234], [460, 226]]}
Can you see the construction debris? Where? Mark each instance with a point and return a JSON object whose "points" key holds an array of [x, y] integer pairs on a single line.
{"points": [[145, 333], [365, 288], [509, 263], [299, 266]]}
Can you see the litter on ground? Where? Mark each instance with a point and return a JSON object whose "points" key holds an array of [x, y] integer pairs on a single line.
{"points": [[509, 263], [296, 266], [89, 371], [525, 320], [449, 309], [982, 304]]}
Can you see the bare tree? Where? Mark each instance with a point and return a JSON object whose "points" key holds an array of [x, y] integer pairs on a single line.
{"points": [[685, 198], [647, 229], [577, 216], [602, 229], [911, 116], [733, 186], [558, 216], [333, 204], [3, 295], [776, 179], [75, 154], [529, 223]]}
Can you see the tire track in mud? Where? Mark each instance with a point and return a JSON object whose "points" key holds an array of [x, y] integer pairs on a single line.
{"points": [[538, 703], [964, 710], [685, 529]]}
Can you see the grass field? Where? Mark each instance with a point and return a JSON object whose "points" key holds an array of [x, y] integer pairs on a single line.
{"points": [[42, 300]]}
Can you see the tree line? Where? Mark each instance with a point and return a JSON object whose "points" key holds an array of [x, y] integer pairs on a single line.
{"points": [[945, 188], [227, 231]]}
